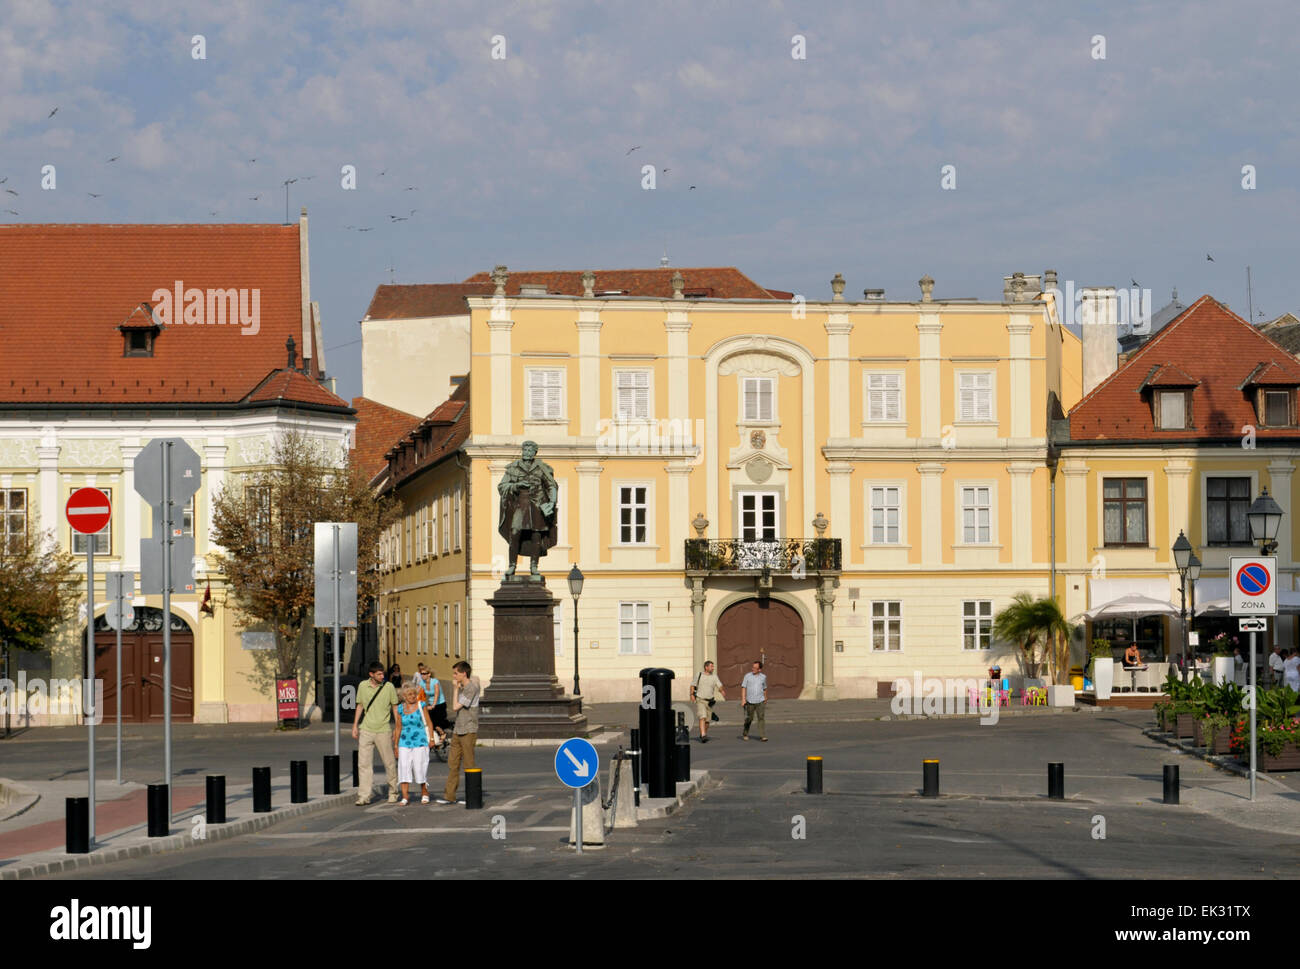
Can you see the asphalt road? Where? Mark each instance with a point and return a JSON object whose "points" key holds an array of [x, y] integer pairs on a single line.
{"points": [[754, 821]]}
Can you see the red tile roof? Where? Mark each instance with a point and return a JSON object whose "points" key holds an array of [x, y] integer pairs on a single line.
{"points": [[68, 288], [430, 442], [1212, 348], [393, 302], [294, 386], [378, 426]]}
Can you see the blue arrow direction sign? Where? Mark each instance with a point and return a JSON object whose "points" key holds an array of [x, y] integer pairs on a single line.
{"points": [[576, 763]]}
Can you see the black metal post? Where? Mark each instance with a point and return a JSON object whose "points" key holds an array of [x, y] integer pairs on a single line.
{"points": [[331, 773], [1056, 781], [298, 781], [77, 814], [473, 788], [216, 798], [159, 822], [356, 768], [814, 775], [930, 778], [576, 690], [682, 762], [1182, 613], [261, 790], [1171, 783], [635, 755], [659, 741]]}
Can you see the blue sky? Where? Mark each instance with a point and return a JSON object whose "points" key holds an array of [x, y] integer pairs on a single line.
{"points": [[1105, 170]]}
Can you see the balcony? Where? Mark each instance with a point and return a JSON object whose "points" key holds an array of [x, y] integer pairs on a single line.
{"points": [[796, 556]]}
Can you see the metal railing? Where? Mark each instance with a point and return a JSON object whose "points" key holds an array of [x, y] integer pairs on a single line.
{"points": [[779, 555]]}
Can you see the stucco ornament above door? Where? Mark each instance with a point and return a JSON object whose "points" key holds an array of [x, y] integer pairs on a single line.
{"points": [[758, 470], [757, 440]]}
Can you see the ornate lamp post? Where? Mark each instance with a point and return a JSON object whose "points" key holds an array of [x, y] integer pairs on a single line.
{"points": [[1189, 567], [575, 589], [1264, 516]]}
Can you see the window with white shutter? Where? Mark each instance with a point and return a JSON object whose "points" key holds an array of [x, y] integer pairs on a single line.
{"points": [[758, 394], [455, 521], [632, 395], [545, 391], [975, 396], [446, 523], [884, 397]]}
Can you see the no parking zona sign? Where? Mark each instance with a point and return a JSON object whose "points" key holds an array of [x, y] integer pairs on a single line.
{"points": [[1252, 586]]}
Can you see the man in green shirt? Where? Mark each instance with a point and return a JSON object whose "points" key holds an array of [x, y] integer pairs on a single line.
{"points": [[376, 713]]}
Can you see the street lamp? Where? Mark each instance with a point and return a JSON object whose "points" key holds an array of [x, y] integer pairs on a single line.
{"points": [[575, 589], [1264, 516], [1189, 567]]}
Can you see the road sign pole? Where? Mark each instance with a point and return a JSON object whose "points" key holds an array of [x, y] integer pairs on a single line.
{"points": [[1254, 696], [118, 694], [167, 624], [577, 818], [338, 665], [87, 691]]}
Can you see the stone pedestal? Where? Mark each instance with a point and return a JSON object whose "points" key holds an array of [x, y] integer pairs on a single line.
{"points": [[524, 699]]}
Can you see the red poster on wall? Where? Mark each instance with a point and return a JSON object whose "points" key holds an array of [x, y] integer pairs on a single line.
{"points": [[286, 695]]}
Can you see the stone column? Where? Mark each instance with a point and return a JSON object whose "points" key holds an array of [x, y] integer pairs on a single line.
{"points": [[499, 326], [1075, 553], [47, 455], [679, 494], [131, 503], [678, 327], [1279, 487], [842, 509], [931, 514], [826, 640], [838, 328], [928, 329], [589, 371], [698, 652], [1022, 407], [215, 479], [1178, 472], [1022, 513], [589, 502]]}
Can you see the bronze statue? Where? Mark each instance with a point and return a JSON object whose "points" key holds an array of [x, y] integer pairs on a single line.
{"points": [[528, 516]]}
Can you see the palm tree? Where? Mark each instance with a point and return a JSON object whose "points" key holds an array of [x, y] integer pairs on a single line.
{"points": [[1056, 631], [1021, 623]]}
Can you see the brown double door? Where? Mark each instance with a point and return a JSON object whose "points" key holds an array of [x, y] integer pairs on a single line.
{"points": [[142, 675], [764, 630]]}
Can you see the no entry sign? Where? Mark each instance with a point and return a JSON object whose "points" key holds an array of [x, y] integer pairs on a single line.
{"points": [[88, 510], [1251, 586]]}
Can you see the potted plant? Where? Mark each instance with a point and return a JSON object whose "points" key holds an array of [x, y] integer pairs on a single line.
{"points": [[1224, 666], [1103, 668], [1174, 689], [1278, 727], [1223, 708], [1189, 709]]}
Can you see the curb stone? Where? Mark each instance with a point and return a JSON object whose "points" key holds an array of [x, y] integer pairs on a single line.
{"points": [[176, 842], [1225, 762]]}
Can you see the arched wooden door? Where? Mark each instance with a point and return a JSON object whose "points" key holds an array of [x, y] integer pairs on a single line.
{"points": [[766, 630], [142, 668]]}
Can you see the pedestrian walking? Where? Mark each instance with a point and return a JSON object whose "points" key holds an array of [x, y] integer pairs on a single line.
{"points": [[394, 675], [1291, 670], [705, 691], [1275, 666], [753, 693], [372, 728], [465, 693], [411, 733], [435, 701]]}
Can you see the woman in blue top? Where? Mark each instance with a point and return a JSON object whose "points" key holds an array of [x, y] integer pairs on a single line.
{"points": [[411, 736]]}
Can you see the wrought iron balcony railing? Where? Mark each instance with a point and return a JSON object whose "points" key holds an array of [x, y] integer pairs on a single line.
{"points": [[790, 555]]}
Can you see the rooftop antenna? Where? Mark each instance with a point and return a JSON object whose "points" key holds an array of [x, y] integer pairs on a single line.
{"points": [[1250, 300], [663, 261]]}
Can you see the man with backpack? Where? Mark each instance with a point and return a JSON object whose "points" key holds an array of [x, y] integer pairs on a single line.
{"points": [[373, 728], [704, 691]]}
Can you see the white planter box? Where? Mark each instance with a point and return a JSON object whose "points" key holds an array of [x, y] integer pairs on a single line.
{"points": [[1224, 669], [1103, 677], [1060, 696]]}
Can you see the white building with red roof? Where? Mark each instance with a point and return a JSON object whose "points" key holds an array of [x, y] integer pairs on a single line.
{"points": [[114, 335]]}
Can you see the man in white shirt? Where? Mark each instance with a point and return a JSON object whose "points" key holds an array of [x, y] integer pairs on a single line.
{"points": [[1275, 666], [753, 693], [704, 690]]}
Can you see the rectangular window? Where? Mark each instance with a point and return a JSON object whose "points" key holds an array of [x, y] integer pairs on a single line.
{"points": [[455, 521], [545, 388], [884, 515], [1124, 511], [446, 627], [758, 398], [634, 628], [887, 626], [1277, 408], [977, 623], [976, 396], [446, 523], [406, 631], [259, 502], [1226, 503], [976, 516], [758, 520], [455, 626], [632, 395], [431, 528], [632, 514], [1173, 410], [884, 397], [434, 639], [13, 518], [103, 537]]}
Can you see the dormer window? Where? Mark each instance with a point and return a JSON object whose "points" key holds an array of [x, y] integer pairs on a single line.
{"points": [[1172, 409], [138, 332], [139, 343], [1276, 408]]}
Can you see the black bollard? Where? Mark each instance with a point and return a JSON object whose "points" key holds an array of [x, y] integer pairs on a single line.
{"points": [[635, 755], [159, 823], [814, 775], [1171, 783], [1056, 782], [356, 769], [658, 741], [216, 799], [261, 790], [297, 781], [931, 778], [473, 788], [77, 813], [331, 773], [683, 762], [683, 731]]}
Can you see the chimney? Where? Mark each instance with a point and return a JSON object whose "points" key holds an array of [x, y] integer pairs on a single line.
{"points": [[874, 295], [532, 289], [1100, 329], [293, 354]]}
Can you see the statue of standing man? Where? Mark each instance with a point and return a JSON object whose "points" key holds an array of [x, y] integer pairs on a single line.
{"points": [[528, 517]]}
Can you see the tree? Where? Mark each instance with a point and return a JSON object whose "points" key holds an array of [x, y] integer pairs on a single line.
{"points": [[1029, 623], [266, 520], [38, 594]]}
